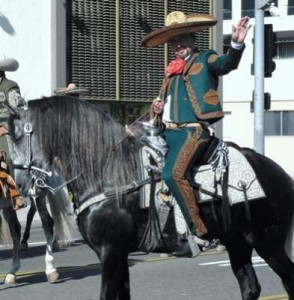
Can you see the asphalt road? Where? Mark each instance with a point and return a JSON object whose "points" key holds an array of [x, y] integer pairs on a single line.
{"points": [[152, 276]]}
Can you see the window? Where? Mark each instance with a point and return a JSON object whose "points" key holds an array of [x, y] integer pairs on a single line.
{"points": [[285, 44], [290, 7], [227, 10], [285, 50], [248, 7], [279, 123], [288, 123]]}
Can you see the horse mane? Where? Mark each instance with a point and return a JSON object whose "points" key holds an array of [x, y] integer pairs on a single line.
{"points": [[84, 138]]}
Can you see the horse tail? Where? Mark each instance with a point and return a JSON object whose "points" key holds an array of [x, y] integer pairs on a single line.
{"points": [[64, 222], [5, 236], [62, 210]]}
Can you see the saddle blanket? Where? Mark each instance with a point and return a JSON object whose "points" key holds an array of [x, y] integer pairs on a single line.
{"points": [[242, 181]]}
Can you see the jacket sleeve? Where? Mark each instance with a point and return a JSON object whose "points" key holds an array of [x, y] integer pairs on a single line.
{"points": [[223, 64]]}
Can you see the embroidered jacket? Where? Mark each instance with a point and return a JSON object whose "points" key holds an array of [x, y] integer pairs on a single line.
{"points": [[9, 92], [192, 96]]}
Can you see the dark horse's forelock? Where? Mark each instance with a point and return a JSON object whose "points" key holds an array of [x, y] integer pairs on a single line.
{"points": [[84, 141]]}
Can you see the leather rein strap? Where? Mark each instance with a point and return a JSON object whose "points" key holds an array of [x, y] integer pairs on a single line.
{"points": [[113, 194]]}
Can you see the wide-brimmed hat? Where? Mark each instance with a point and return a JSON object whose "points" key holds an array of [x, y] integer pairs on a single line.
{"points": [[72, 89], [177, 23], [8, 64]]}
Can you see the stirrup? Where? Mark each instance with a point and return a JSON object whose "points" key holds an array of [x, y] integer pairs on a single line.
{"points": [[153, 169]]}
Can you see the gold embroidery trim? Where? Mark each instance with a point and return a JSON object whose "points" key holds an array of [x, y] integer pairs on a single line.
{"points": [[211, 97], [212, 58], [195, 69]]}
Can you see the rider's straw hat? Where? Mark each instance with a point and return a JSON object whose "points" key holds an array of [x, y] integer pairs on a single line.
{"points": [[177, 23], [8, 64], [72, 89]]}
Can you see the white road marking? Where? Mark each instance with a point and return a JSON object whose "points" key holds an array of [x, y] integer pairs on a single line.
{"points": [[256, 260]]}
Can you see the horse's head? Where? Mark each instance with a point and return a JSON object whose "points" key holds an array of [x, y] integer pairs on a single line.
{"points": [[27, 159]]}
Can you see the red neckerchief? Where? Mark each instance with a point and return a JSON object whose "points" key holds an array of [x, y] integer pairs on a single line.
{"points": [[175, 67]]}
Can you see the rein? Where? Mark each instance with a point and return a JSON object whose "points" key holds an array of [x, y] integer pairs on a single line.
{"points": [[113, 193], [129, 131]]}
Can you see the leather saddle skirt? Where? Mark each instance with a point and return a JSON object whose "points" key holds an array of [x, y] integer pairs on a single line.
{"points": [[220, 158]]}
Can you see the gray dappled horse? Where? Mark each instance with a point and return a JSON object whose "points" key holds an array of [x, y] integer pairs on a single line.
{"points": [[60, 223], [109, 215]]}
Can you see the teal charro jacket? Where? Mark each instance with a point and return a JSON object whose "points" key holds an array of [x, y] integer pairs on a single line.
{"points": [[193, 94]]}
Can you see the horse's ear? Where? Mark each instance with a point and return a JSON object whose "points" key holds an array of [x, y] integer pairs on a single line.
{"points": [[3, 130]]}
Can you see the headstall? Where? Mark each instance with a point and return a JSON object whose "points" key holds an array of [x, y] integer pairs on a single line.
{"points": [[39, 176]]}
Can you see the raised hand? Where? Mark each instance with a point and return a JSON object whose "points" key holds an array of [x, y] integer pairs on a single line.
{"points": [[239, 31]]}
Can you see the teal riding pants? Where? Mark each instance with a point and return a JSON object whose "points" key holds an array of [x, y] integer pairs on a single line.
{"points": [[186, 147]]}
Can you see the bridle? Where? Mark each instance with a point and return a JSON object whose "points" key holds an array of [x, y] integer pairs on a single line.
{"points": [[39, 176]]}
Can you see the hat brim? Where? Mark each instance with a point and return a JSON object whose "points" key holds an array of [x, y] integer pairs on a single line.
{"points": [[8, 64], [65, 91], [163, 35]]}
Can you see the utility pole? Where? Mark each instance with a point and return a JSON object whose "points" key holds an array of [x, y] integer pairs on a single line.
{"points": [[264, 51], [259, 76]]}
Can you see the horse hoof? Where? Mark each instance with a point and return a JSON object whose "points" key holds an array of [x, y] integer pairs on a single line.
{"points": [[24, 246], [10, 279], [53, 276], [220, 248]]}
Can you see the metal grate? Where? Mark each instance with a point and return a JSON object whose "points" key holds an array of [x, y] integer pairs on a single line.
{"points": [[141, 69], [92, 39], [91, 57]]}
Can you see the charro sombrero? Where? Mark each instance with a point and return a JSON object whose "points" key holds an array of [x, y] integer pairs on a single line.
{"points": [[72, 89], [8, 64], [177, 23]]}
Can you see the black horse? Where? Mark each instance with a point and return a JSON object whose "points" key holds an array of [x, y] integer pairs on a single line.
{"points": [[100, 161]]}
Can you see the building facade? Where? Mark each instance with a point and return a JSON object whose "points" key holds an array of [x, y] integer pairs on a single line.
{"points": [[97, 44], [238, 125]]}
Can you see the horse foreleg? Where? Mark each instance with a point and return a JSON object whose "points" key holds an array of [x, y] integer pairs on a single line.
{"points": [[51, 271], [240, 253], [30, 217], [47, 224], [273, 252], [115, 274], [15, 231]]}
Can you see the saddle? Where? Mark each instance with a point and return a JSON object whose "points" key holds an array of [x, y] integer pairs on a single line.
{"points": [[224, 173]]}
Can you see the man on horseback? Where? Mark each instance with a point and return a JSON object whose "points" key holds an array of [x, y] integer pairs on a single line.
{"points": [[9, 90], [10, 95], [188, 102]]}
